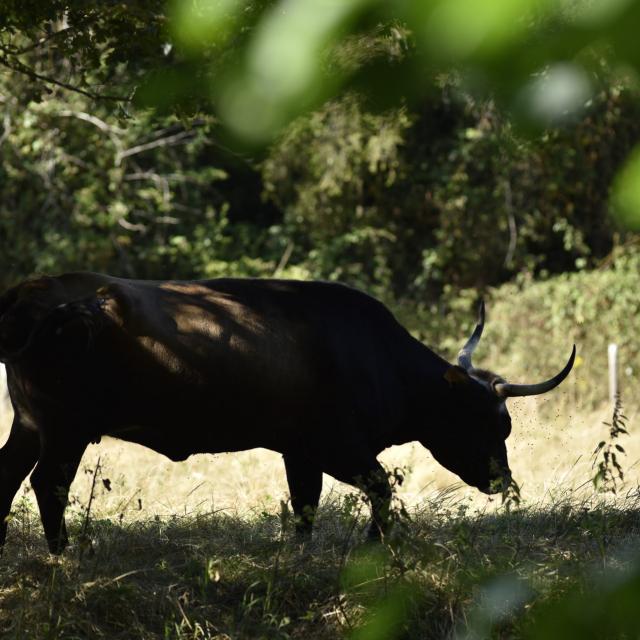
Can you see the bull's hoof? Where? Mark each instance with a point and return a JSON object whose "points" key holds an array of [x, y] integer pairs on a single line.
{"points": [[374, 534], [57, 545], [303, 534]]}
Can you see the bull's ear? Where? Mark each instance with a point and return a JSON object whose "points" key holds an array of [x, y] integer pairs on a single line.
{"points": [[456, 375]]}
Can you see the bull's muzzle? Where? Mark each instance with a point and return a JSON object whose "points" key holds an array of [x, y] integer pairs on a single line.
{"points": [[498, 485]]}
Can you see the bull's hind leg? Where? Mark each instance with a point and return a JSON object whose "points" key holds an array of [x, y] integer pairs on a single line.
{"points": [[305, 486], [17, 458], [50, 480]]}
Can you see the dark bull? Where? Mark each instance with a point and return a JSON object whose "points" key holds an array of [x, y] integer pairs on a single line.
{"points": [[318, 371]]}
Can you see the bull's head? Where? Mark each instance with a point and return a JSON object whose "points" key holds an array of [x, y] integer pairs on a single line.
{"points": [[25, 311], [471, 442]]}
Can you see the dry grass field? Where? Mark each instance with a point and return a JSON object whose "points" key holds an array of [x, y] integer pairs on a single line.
{"points": [[201, 549], [549, 449]]}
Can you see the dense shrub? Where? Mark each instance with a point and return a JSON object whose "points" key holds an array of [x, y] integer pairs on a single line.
{"points": [[407, 203], [414, 205], [81, 188], [531, 326]]}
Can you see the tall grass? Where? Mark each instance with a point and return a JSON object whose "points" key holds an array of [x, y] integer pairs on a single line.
{"points": [[213, 575], [142, 565]]}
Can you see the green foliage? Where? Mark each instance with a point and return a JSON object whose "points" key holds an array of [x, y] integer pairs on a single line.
{"points": [[609, 472], [536, 57], [330, 175], [531, 327], [408, 204], [413, 204], [97, 49], [425, 205], [540, 60], [265, 65], [144, 196], [626, 192], [607, 609]]}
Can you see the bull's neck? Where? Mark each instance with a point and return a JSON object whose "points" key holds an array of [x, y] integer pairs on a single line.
{"points": [[430, 394]]}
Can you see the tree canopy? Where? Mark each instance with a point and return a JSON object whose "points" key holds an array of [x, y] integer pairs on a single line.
{"points": [[258, 64], [411, 168]]}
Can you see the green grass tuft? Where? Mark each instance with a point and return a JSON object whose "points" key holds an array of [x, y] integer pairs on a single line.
{"points": [[443, 573]]}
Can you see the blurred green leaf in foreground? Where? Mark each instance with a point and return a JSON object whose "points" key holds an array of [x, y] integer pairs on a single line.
{"points": [[538, 58], [537, 55], [626, 193]]}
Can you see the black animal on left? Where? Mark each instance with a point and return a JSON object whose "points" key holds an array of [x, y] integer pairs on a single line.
{"points": [[320, 372]]}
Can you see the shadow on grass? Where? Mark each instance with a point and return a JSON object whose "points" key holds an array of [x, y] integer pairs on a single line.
{"points": [[444, 572]]}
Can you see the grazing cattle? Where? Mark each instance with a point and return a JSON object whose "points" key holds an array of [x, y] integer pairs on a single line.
{"points": [[320, 372]]}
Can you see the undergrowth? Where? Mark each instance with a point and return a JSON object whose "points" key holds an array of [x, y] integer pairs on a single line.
{"points": [[216, 576]]}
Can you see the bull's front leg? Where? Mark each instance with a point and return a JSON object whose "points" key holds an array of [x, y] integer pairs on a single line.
{"points": [[305, 485], [50, 480]]}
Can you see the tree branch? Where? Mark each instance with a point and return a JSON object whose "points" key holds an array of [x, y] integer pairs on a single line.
{"points": [[94, 120], [19, 67], [48, 38], [513, 229], [162, 142]]}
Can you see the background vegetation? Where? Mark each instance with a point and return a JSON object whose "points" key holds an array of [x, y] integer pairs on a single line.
{"points": [[428, 176]]}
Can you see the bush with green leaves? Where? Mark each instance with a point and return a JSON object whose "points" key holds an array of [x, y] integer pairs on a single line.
{"points": [[143, 196], [407, 204], [531, 325]]}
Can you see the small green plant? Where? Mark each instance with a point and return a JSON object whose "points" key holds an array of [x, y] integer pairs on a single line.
{"points": [[511, 497], [608, 471]]}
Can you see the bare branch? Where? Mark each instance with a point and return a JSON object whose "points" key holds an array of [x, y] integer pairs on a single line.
{"points": [[48, 38], [6, 127], [161, 181], [95, 121], [178, 138], [125, 224], [284, 259], [513, 229], [167, 220], [19, 67]]}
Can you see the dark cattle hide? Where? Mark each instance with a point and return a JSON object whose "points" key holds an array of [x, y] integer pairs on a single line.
{"points": [[320, 372]]}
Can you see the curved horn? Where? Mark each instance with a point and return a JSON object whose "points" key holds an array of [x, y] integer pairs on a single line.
{"points": [[464, 356], [507, 390]]}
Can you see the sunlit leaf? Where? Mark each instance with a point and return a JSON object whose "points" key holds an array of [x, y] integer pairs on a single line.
{"points": [[600, 13], [281, 73], [199, 23], [457, 29], [625, 196], [559, 92]]}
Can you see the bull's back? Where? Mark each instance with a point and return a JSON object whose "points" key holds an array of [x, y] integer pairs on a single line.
{"points": [[273, 349], [274, 332]]}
